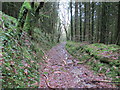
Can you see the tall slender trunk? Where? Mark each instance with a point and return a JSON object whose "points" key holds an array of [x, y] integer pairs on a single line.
{"points": [[98, 24], [80, 4], [92, 33], [76, 21], [117, 36], [107, 25], [84, 31], [71, 21], [103, 23], [89, 30]]}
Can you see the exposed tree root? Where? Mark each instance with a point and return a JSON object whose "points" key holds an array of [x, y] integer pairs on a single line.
{"points": [[104, 81], [47, 82]]}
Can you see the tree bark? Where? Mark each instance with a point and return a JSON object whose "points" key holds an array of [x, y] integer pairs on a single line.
{"points": [[84, 31], [25, 16], [117, 36], [92, 33], [80, 4], [103, 24], [71, 21]]}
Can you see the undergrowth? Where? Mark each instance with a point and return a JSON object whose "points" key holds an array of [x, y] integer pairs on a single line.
{"points": [[21, 55], [104, 59]]}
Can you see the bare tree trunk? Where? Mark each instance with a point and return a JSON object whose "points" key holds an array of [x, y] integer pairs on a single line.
{"points": [[80, 4], [71, 21], [92, 23], [117, 36], [76, 22], [103, 23], [84, 32]]}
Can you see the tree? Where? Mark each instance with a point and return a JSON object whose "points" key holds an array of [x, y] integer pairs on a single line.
{"points": [[103, 23], [76, 21], [117, 36], [28, 13], [98, 13], [92, 33], [71, 21], [84, 31], [11, 8], [88, 34], [80, 6]]}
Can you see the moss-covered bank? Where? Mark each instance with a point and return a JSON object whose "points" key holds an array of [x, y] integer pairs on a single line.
{"points": [[104, 59], [21, 55]]}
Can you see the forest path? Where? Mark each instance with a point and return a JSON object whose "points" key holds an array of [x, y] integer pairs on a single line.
{"points": [[61, 70]]}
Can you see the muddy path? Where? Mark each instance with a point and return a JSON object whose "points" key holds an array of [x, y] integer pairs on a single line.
{"points": [[61, 70]]}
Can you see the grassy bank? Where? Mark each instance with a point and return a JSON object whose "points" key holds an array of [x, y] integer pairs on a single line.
{"points": [[21, 55], [104, 59]]}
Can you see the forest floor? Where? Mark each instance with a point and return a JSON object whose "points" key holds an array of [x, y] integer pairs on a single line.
{"points": [[61, 70]]}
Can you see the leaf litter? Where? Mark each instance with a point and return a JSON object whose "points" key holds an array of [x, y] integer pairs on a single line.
{"points": [[72, 74]]}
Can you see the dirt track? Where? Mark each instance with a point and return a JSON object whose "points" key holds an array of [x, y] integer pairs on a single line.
{"points": [[61, 70]]}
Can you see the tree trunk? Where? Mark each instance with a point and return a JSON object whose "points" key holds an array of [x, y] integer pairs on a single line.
{"points": [[98, 24], [71, 21], [103, 24], [89, 30], [25, 16], [92, 33], [84, 32], [80, 21], [76, 21], [117, 36]]}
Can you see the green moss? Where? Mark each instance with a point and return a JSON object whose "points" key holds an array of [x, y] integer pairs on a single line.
{"points": [[21, 18], [104, 58], [20, 54], [27, 25]]}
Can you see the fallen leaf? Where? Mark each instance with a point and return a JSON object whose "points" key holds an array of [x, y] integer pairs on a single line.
{"points": [[58, 72], [29, 77], [64, 62], [32, 61], [1, 55], [12, 63], [15, 71], [0, 64], [35, 84], [7, 68], [26, 71], [26, 65], [101, 74]]}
